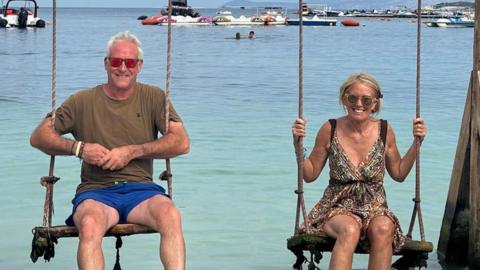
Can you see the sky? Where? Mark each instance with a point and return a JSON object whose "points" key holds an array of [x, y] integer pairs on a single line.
{"points": [[138, 3]]}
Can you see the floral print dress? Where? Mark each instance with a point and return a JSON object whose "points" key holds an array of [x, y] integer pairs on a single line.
{"points": [[355, 191]]}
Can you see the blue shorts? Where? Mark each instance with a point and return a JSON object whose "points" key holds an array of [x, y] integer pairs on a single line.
{"points": [[122, 196]]}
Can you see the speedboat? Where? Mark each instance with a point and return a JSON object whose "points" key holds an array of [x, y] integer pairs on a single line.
{"points": [[452, 22], [177, 20], [224, 12], [274, 16], [181, 8], [242, 20], [314, 21], [21, 17]]}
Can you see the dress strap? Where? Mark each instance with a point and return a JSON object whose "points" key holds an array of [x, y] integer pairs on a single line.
{"points": [[383, 130], [333, 123]]}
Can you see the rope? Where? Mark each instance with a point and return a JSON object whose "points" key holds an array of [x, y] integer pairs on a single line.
{"points": [[299, 150], [48, 181], [118, 245], [168, 173], [416, 208]]}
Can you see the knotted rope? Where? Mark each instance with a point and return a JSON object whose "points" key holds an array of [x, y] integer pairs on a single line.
{"points": [[48, 181], [416, 207], [167, 175], [299, 150]]}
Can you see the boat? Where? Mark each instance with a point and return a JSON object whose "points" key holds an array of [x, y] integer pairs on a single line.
{"points": [[314, 21], [305, 11], [21, 17], [274, 16], [181, 8], [224, 12], [177, 20], [452, 22], [350, 22], [242, 20]]}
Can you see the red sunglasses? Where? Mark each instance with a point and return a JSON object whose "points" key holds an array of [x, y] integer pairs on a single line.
{"points": [[117, 62]]}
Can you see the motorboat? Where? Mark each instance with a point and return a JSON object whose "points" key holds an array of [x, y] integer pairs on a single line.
{"points": [[274, 16], [452, 22], [177, 20], [305, 10], [181, 8], [242, 20], [224, 12], [314, 21], [21, 17]]}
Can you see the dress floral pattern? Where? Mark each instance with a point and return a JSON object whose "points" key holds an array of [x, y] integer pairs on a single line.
{"points": [[355, 191]]}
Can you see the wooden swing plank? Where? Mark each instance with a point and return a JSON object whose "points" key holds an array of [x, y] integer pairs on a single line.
{"points": [[71, 231], [324, 243]]}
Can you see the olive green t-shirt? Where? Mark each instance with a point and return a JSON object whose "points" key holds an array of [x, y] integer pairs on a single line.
{"points": [[93, 117]]}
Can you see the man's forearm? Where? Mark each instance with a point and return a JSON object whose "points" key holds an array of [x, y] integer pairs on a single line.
{"points": [[46, 139]]}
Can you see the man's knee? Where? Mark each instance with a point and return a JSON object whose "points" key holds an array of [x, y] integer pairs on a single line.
{"points": [[169, 220], [90, 228]]}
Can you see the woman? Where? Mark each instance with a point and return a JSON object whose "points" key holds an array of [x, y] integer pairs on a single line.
{"points": [[359, 147]]}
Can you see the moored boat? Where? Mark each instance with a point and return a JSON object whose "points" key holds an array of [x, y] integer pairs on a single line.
{"points": [[452, 22], [314, 21], [177, 20], [242, 20], [21, 17], [274, 16]]}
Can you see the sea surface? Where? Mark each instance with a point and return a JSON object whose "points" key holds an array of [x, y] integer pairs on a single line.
{"points": [[238, 98]]}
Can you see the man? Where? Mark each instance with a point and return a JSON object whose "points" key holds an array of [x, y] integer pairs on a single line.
{"points": [[115, 126]]}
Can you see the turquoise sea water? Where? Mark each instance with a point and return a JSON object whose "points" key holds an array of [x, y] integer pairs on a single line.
{"points": [[237, 99]]}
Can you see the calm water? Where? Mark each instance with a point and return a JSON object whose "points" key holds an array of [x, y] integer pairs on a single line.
{"points": [[238, 99]]}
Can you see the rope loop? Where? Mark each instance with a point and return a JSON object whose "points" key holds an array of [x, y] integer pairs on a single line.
{"points": [[45, 180], [298, 192], [416, 200], [164, 176]]}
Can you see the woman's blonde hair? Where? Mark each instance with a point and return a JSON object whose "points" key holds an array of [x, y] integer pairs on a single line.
{"points": [[367, 80]]}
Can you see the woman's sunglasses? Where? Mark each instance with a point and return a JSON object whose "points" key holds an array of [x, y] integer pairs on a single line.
{"points": [[366, 100], [117, 62]]}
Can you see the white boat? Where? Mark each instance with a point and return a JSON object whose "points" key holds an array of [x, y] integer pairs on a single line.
{"points": [[314, 21], [21, 17], [224, 12], [178, 20], [452, 22], [274, 16], [242, 20]]}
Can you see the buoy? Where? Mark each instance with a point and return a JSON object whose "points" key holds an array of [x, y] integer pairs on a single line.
{"points": [[350, 22]]}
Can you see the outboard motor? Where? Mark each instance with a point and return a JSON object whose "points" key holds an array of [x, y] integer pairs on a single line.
{"points": [[40, 24], [22, 18], [3, 23]]}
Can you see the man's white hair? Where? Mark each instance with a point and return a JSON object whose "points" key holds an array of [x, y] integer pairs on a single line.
{"points": [[127, 36]]}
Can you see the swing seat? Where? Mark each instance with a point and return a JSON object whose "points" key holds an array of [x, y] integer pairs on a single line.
{"points": [[45, 238], [414, 253]]}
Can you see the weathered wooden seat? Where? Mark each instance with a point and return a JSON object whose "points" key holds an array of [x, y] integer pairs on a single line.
{"points": [[71, 231], [45, 238], [414, 253]]}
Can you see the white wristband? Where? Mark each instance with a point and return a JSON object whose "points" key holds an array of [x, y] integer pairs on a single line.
{"points": [[77, 149]]}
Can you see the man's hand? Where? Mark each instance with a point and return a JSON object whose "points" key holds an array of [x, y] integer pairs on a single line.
{"points": [[116, 159], [94, 153]]}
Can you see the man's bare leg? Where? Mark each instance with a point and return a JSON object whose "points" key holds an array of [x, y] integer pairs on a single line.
{"points": [[93, 219], [160, 213]]}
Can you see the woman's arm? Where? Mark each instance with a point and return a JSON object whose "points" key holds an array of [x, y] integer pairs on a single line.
{"points": [[313, 165], [399, 167]]}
